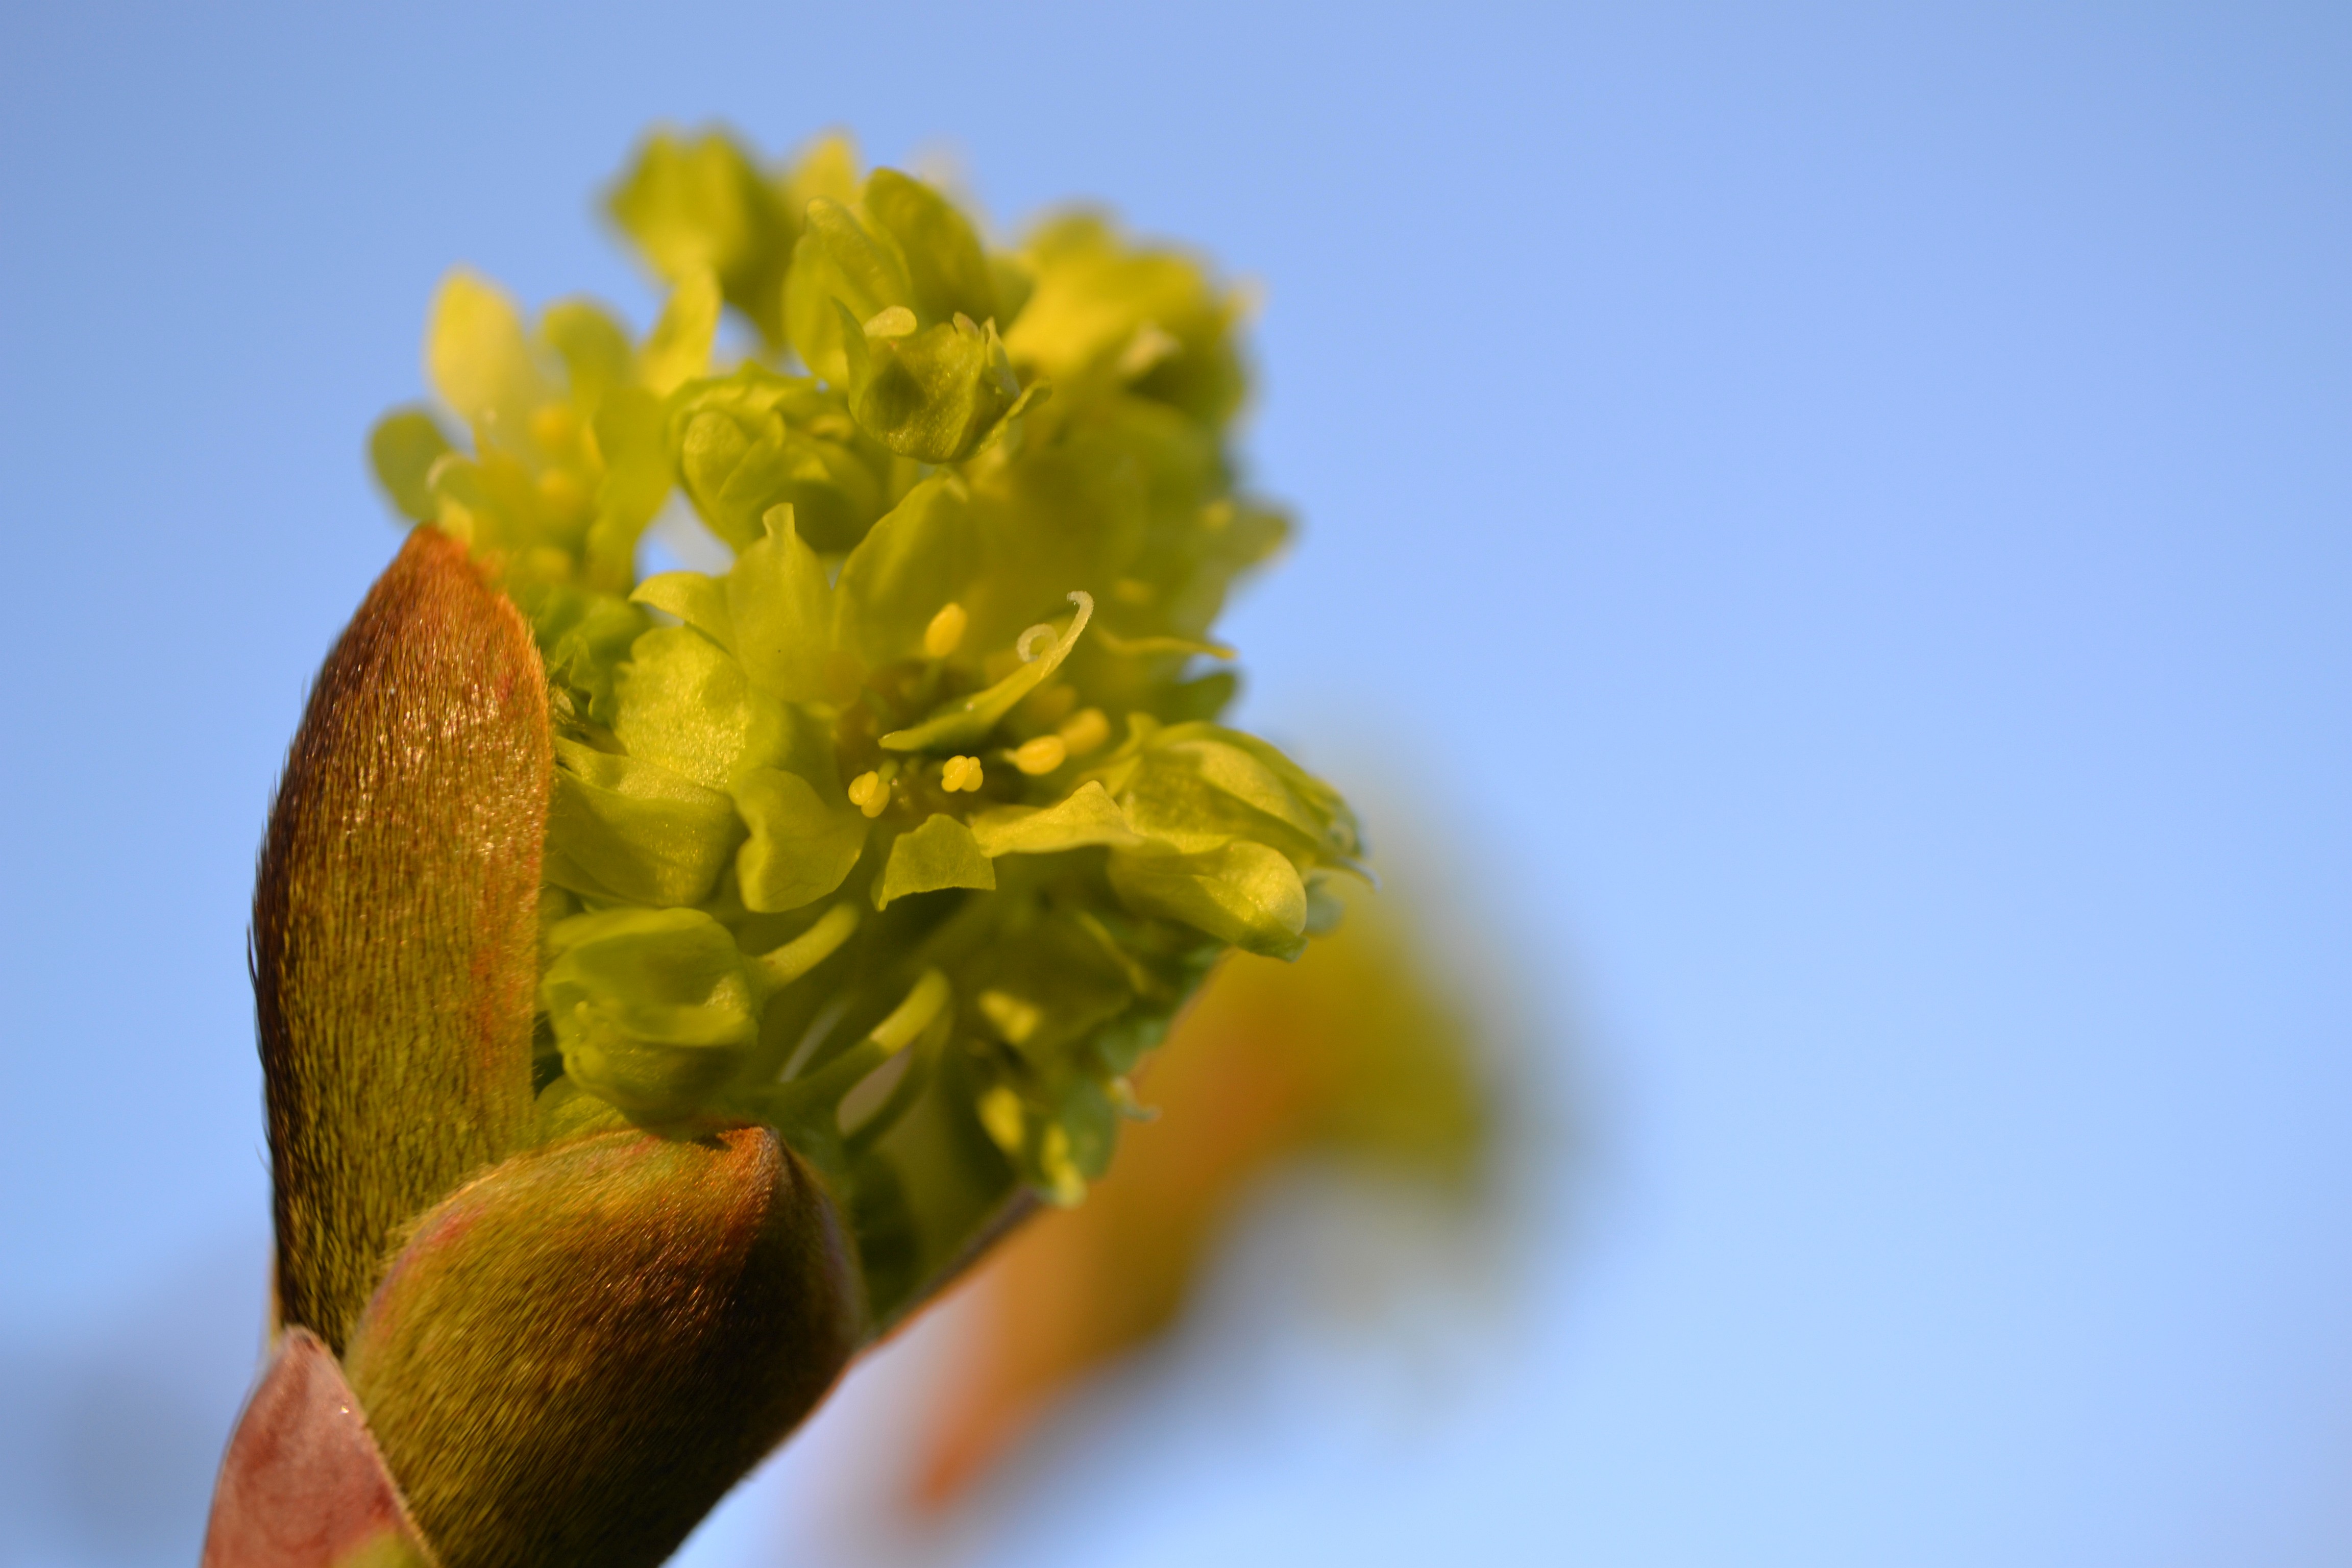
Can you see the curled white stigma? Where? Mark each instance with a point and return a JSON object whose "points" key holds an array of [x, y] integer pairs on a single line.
{"points": [[1037, 639]]}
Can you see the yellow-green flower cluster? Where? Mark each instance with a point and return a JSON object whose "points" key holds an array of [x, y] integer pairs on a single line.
{"points": [[909, 831]]}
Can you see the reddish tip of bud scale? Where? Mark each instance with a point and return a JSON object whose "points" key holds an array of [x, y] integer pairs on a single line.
{"points": [[303, 1485]]}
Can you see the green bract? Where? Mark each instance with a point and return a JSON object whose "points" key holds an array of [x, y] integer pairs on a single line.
{"points": [[908, 832]]}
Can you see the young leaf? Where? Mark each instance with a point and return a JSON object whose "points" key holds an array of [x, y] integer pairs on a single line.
{"points": [[1087, 816], [801, 845], [679, 347], [623, 829], [1244, 893], [703, 204], [945, 268], [839, 260], [941, 852], [402, 448], [480, 361], [933, 395], [782, 609]]}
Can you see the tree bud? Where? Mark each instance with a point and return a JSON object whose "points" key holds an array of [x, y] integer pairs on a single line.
{"points": [[396, 923], [577, 1353]]}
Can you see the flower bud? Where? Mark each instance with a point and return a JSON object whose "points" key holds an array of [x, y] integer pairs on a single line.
{"points": [[654, 1008]]}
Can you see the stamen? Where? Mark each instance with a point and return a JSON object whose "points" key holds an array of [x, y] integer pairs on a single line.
{"points": [[925, 1004], [960, 773], [1053, 1159], [1000, 1113], [868, 794], [1085, 731], [811, 948], [1041, 755], [1015, 1019], [945, 634], [913, 1015]]}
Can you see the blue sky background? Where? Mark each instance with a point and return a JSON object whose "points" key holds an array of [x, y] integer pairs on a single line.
{"points": [[1845, 514]]}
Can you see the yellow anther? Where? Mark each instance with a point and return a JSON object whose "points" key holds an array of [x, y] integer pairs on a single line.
{"points": [[1015, 1019], [1053, 1159], [1000, 1113], [961, 773], [1041, 755], [868, 794], [1085, 731], [891, 321], [945, 634]]}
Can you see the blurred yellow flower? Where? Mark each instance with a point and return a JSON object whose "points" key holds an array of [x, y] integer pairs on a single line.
{"points": [[1352, 1051]]}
